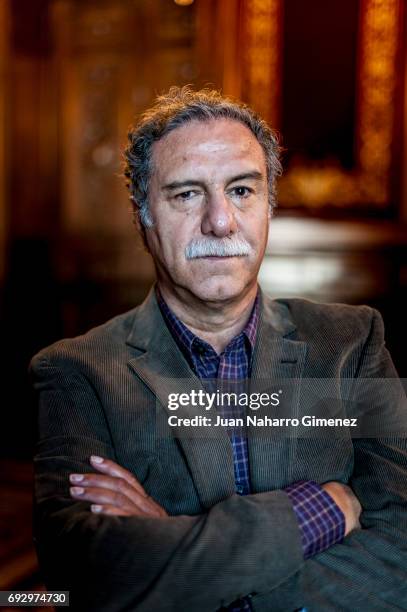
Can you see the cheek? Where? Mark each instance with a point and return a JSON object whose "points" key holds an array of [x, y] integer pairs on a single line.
{"points": [[172, 237], [256, 233]]}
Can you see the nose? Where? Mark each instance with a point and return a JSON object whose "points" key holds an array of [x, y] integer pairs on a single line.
{"points": [[218, 218]]}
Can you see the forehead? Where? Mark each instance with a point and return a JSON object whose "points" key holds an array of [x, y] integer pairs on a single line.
{"points": [[213, 141]]}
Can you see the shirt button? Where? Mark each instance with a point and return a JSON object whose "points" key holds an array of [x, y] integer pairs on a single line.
{"points": [[239, 489]]}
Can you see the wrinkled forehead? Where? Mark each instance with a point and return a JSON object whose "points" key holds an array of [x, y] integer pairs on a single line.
{"points": [[212, 141]]}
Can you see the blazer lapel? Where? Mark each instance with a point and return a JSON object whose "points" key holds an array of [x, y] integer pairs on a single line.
{"points": [[278, 358], [163, 368]]}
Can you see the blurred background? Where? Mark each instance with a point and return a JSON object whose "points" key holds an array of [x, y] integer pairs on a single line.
{"points": [[74, 74]]}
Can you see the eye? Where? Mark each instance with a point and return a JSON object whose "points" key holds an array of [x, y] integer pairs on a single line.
{"points": [[185, 195], [241, 191]]}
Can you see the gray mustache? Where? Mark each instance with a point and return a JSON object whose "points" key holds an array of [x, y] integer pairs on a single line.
{"points": [[222, 247]]}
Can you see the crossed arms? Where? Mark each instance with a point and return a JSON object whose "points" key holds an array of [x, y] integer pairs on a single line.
{"points": [[134, 556]]}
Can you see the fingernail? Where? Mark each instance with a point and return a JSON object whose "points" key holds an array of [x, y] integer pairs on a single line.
{"points": [[76, 477], [96, 508], [96, 459], [77, 490]]}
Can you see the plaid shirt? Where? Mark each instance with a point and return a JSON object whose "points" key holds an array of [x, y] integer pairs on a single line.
{"points": [[320, 520]]}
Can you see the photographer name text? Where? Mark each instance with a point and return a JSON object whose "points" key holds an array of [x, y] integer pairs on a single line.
{"points": [[255, 421]]}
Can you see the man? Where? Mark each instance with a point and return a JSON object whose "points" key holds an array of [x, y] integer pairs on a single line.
{"points": [[132, 514]]}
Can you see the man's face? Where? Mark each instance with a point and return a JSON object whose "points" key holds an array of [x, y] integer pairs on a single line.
{"points": [[209, 197]]}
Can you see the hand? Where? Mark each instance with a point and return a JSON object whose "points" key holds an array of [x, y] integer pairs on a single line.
{"points": [[347, 501], [116, 491]]}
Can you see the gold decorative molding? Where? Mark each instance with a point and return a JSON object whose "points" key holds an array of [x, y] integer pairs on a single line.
{"points": [[377, 77], [315, 184], [262, 81]]}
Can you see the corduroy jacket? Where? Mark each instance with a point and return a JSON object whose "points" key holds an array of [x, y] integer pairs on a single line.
{"points": [[105, 393]]}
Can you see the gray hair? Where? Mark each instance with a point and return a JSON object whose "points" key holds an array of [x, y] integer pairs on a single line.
{"points": [[174, 109]]}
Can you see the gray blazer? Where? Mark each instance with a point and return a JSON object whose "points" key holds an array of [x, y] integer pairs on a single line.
{"points": [[104, 392]]}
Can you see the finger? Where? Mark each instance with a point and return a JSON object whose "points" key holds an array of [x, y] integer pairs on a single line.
{"points": [[104, 496], [112, 510], [107, 466], [147, 504]]}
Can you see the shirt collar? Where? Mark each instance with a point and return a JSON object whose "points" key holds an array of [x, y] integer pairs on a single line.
{"points": [[187, 340]]}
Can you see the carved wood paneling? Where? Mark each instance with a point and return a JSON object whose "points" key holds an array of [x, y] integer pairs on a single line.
{"points": [[367, 184], [262, 57], [113, 59], [256, 72], [90, 41]]}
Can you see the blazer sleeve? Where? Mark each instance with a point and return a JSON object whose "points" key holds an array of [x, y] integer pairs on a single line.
{"points": [[368, 570], [111, 563]]}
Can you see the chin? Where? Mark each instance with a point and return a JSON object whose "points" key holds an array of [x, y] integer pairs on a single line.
{"points": [[218, 290]]}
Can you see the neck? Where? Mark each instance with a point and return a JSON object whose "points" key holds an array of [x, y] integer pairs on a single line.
{"points": [[216, 323]]}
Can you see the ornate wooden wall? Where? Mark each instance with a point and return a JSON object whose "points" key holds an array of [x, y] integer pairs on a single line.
{"points": [[80, 70], [112, 59], [262, 39]]}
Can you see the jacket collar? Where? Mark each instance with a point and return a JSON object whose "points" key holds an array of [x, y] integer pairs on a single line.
{"points": [[148, 321]]}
